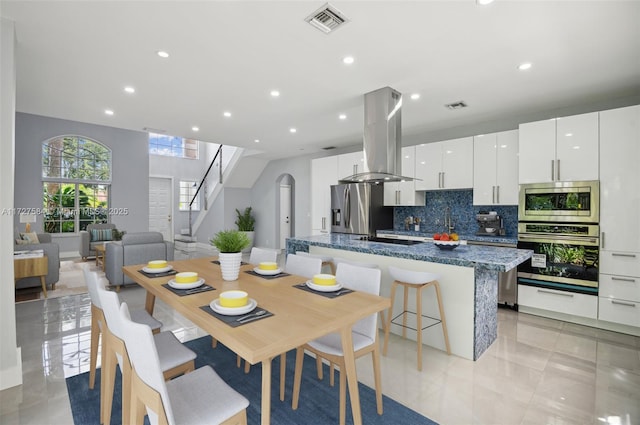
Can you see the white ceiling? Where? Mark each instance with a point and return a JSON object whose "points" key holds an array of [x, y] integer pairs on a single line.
{"points": [[75, 58]]}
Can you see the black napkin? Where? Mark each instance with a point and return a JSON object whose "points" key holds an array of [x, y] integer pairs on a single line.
{"points": [[163, 274], [183, 292], [274, 276], [233, 320], [336, 294]]}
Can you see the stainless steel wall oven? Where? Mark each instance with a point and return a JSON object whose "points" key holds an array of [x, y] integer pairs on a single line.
{"points": [[559, 222]]}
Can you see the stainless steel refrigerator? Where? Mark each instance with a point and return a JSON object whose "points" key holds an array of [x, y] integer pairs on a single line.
{"points": [[358, 208]]}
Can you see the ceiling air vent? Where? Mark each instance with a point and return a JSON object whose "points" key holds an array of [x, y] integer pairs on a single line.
{"points": [[456, 105], [327, 19]]}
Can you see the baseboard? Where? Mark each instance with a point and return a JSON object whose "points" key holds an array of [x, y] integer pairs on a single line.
{"points": [[68, 255], [12, 376]]}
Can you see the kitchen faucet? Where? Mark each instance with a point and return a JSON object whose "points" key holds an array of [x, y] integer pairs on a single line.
{"points": [[448, 223]]}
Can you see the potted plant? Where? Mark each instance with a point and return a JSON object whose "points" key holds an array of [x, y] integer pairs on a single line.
{"points": [[230, 243], [246, 223]]}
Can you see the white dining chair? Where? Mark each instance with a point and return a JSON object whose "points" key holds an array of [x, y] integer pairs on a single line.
{"points": [[364, 334], [303, 265], [326, 260], [260, 255], [175, 358], [93, 282], [198, 397]]}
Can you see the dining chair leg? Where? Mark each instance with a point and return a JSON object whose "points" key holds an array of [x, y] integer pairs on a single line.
{"points": [[343, 396], [238, 361], [126, 388], [95, 339], [247, 366], [108, 376], [319, 367], [419, 324], [332, 368], [375, 357], [214, 344], [297, 377], [283, 371]]}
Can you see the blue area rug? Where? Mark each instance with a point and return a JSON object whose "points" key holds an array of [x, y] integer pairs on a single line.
{"points": [[318, 400]]}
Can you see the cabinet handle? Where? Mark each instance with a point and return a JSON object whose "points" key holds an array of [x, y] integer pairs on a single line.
{"points": [[397, 197], [553, 176], [557, 169], [497, 194], [602, 240], [623, 279], [555, 293], [324, 223], [493, 194], [355, 168], [623, 303], [443, 179], [617, 254]]}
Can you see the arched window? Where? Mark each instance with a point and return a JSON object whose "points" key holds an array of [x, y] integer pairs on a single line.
{"points": [[76, 180]]}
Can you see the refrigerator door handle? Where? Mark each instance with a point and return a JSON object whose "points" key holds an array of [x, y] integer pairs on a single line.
{"points": [[347, 206]]}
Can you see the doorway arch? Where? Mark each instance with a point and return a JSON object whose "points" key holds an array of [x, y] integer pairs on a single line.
{"points": [[285, 199]]}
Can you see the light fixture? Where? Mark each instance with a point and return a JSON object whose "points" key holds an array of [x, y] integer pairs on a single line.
{"points": [[227, 114], [28, 219], [275, 93], [292, 130], [568, 135], [483, 2], [257, 140], [108, 111], [129, 89], [348, 60], [524, 66], [195, 128], [342, 116], [162, 54], [415, 96]]}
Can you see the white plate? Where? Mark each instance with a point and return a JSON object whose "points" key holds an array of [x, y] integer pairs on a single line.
{"points": [[232, 311], [157, 270], [267, 272], [324, 288], [176, 285]]}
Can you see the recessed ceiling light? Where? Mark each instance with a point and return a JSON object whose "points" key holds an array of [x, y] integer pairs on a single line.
{"points": [[129, 89], [275, 93], [108, 111], [524, 66], [195, 128], [415, 96], [342, 116], [227, 114], [483, 2], [348, 60], [292, 130], [568, 135], [257, 140], [162, 54]]}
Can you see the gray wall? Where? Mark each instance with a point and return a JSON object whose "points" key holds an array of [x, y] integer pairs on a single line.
{"points": [[222, 214], [130, 172]]}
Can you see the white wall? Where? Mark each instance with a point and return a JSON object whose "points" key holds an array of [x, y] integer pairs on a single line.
{"points": [[10, 358]]}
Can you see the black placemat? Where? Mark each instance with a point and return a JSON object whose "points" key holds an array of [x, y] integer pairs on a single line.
{"points": [[163, 274], [242, 263], [336, 294], [275, 276], [183, 292], [233, 320]]}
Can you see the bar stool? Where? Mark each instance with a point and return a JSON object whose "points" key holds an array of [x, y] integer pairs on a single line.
{"points": [[418, 281]]}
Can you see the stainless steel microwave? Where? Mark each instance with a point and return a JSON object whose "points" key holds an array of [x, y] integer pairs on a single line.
{"points": [[573, 202]]}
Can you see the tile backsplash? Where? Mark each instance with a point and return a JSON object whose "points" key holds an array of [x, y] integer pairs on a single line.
{"points": [[463, 213]]}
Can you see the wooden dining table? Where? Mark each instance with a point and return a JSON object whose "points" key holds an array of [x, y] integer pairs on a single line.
{"points": [[298, 317]]}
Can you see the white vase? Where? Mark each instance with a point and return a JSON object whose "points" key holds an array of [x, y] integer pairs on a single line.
{"points": [[251, 236], [230, 265]]}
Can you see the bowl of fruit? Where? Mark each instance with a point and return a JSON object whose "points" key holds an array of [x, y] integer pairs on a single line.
{"points": [[446, 241]]}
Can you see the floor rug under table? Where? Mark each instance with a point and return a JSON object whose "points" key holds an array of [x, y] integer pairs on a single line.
{"points": [[318, 400]]}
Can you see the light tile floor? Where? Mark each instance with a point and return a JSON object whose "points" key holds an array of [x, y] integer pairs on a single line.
{"points": [[538, 371]]}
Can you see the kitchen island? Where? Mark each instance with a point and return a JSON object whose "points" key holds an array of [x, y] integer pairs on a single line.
{"points": [[469, 283]]}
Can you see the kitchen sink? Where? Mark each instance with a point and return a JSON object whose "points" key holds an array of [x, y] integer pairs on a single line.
{"points": [[389, 240]]}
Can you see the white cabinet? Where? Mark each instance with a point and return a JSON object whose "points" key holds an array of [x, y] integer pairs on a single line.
{"points": [[445, 165], [404, 193], [574, 304], [324, 172], [619, 217], [495, 168], [350, 164], [559, 149]]}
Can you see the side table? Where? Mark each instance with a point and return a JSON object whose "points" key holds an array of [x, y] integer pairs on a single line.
{"points": [[101, 250], [32, 267]]}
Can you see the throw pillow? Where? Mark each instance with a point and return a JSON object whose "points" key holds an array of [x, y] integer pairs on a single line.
{"points": [[22, 242], [101, 235], [30, 237]]}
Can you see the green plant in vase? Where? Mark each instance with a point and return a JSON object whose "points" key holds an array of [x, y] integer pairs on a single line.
{"points": [[230, 243]]}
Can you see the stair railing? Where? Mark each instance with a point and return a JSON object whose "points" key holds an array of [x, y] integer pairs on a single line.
{"points": [[202, 182]]}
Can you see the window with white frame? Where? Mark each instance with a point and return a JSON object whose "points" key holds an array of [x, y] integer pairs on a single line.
{"points": [[162, 144], [187, 191], [76, 182]]}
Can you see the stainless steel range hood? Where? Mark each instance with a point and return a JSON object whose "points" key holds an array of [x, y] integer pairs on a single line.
{"points": [[382, 138]]}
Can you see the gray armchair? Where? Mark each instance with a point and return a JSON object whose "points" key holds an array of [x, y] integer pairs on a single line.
{"points": [[135, 248], [52, 251], [87, 246]]}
